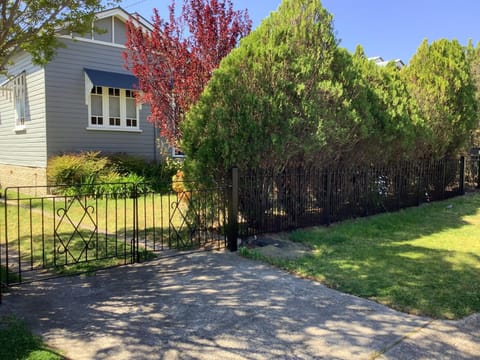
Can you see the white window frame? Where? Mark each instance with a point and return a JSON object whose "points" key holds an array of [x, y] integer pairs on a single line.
{"points": [[176, 153], [19, 85], [106, 113]]}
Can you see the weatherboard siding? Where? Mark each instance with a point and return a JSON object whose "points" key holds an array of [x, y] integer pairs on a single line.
{"points": [[26, 147], [67, 118]]}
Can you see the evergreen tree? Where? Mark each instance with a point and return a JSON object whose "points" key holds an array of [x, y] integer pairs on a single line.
{"points": [[443, 91], [274, 100]]}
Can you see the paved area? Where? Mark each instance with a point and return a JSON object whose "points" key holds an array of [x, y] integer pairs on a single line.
{"points": [[217, 305]]}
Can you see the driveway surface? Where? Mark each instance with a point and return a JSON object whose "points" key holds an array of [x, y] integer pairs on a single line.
{"points": [[217, 305]]}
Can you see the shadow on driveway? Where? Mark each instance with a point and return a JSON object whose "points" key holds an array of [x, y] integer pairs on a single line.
{"points": [[217, 305]]}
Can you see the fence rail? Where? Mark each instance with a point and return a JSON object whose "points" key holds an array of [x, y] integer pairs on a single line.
{"points": [[300, 197]]}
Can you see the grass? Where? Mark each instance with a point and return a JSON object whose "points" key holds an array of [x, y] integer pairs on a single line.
{"points": [[18, 342], [423, 260]]}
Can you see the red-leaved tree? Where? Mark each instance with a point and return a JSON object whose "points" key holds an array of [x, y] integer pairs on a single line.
{"points": [[175, 60]]}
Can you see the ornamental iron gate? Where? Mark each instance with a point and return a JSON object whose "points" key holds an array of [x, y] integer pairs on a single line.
{"points": [[47, 232]]}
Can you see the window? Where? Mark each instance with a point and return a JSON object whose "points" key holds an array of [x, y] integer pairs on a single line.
{"points": [[131, 107], [114, 106], [176, 153], [96, 118], [113, 109], [19, 96]]}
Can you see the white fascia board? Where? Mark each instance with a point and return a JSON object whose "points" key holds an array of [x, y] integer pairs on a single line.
{"points": [[125, 16]]}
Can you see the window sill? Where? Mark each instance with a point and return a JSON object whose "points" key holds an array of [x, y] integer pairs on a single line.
{"points": [[19, 129], [91, 128]]}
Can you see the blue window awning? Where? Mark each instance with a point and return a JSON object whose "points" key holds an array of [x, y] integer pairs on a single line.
{"points": [[112, 79]]}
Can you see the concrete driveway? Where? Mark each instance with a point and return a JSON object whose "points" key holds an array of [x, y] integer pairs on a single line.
{"points": [[217, 305]]}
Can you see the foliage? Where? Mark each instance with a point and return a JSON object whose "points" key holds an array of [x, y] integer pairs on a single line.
{"points": [[72, 169], [97, 174], [288, 96], [421, 260], [31, 25], [381, 98], [442, 89], [272, 99], [473, 54], [174, 61], [18, 342], [158, 175]]}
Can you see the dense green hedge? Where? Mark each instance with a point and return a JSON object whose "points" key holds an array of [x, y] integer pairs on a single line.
{"points": [[288, 95]]}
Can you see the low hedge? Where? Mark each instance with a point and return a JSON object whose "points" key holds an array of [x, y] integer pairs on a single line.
{"points": [[92, 172]]}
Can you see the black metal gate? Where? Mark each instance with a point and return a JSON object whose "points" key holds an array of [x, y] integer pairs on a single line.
{"points": [[51, 231]]}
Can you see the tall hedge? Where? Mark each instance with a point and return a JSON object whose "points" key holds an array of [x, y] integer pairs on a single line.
{"points": [[273, 99], [289, 95], [442, 89]]}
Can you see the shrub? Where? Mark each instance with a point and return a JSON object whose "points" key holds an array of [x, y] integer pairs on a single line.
{"points": [[71, 169], [94, 174], [157, 175]]}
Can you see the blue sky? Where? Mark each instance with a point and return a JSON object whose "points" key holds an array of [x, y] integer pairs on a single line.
{"points": [[389, 28]]}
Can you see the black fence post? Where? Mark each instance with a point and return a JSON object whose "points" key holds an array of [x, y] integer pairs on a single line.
{"points": [[232, 226], [478, 173], [329, 196], [135, 242], [5, 224], [462, 176], [419, 174], [1, 272]]}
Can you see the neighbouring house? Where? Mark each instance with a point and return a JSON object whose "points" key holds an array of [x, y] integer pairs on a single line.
{"points": [[380, 62], [82, 100]]}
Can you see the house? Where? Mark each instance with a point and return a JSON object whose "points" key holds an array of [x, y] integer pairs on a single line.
{"points": [[380, 62], [82, 100]]}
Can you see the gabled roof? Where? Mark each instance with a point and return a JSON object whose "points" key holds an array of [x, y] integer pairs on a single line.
{"points": [[377, 59], [380, 62], [122, 14]]}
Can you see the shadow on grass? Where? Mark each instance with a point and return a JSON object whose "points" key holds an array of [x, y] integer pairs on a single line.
{"points": [[17, 342], [423, 260]]}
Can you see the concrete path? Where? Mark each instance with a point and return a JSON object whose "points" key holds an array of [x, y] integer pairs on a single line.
{"points": [[221, 306]]}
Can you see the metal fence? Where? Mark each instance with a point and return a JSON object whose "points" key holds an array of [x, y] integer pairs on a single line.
{"points": [[70, 230], [75, 229], [301, 197]]}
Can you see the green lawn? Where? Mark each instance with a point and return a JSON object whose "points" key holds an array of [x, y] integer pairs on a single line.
{"points": [[17, 342], [423, 260]]}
